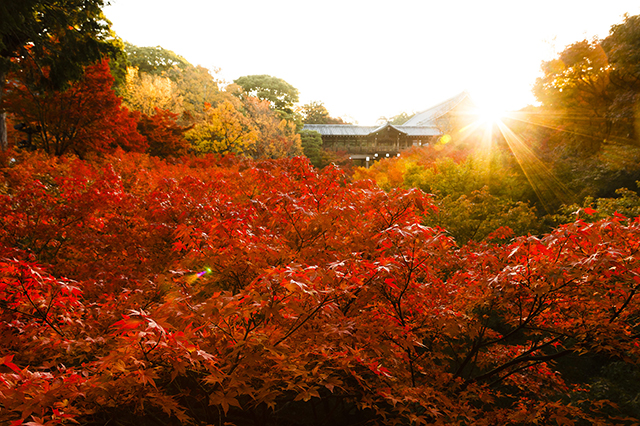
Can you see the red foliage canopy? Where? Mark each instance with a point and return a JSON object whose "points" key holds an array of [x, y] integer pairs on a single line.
{"points": [[164, 135], [86, 117], [221, 290]]}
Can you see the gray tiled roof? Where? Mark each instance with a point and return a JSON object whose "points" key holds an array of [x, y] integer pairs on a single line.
{"points": [[419, 130], [428, 117], [421, 124], [353, 130], [340, 129]]}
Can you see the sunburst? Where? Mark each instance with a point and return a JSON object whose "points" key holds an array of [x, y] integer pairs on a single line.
{"points": [[491, 122]]}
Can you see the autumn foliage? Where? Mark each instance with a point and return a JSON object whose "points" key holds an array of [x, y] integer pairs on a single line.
{"points": [[165, 137], [86, 117], [146, 279], [220, 290]]}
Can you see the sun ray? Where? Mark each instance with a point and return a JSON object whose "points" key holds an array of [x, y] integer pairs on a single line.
{"points": [[546, 185], [548, 188], [539, 120]]}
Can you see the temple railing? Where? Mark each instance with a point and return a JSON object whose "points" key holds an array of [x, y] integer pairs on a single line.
{"points": [[379, 149]]}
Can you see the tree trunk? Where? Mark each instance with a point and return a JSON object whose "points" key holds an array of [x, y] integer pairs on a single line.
{"points": [[4, 145]]}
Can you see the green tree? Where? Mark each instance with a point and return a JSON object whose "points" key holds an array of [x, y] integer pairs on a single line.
{"points": [[400, 119], [154, 60], [281, 94], [61, 36], [576, 89], [316, 113], [194, 85], [396, 120], [312, 146], [479, 214], [623, 49]]}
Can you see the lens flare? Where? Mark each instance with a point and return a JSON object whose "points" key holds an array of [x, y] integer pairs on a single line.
{"points": [[194, 277], [489, 125]]}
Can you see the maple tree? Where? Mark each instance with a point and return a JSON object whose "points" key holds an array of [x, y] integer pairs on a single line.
{"points": [[60, 35], [172, 80], [586, 128], [154, 60], [86, 117], [163, 134], [250, 128], [225, 290], [253, 289]]}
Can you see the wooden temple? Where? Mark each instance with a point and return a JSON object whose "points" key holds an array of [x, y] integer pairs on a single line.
{"points": [[366, 144]]}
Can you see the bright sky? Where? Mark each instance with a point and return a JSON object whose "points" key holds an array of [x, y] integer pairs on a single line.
{"points": [[368, 59]]}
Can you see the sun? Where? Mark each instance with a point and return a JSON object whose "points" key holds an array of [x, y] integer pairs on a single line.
{"points": [[490, 114]]}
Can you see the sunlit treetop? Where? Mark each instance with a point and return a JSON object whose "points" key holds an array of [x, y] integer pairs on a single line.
{"points": [[317, 113], [62, 35], [623, 45], [281, 94], [154, 59]]}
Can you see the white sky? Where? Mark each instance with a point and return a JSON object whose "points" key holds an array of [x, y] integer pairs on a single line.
{"points": [[367, 59]]}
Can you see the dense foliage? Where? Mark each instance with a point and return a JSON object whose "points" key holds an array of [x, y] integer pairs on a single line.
{"points": [[221, 290], [475, 192], [86, 117], [61, 36], [589, 114], [165, 258]]}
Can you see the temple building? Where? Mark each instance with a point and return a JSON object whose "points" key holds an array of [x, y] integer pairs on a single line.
{"points": [[365, 144]]}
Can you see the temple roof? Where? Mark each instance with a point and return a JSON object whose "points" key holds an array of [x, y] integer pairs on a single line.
{"points": [[353, 130], [340, 129], [429, 116], [419, 130], [421, 124]]}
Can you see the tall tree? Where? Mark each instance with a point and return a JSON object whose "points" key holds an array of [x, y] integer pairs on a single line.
{"points": [[61, 36], [85, 117], [576, 87], [400, 119], [623, 49], [590, 95], [311, 142], [593, 87], [196, 85], [154, 60]]}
